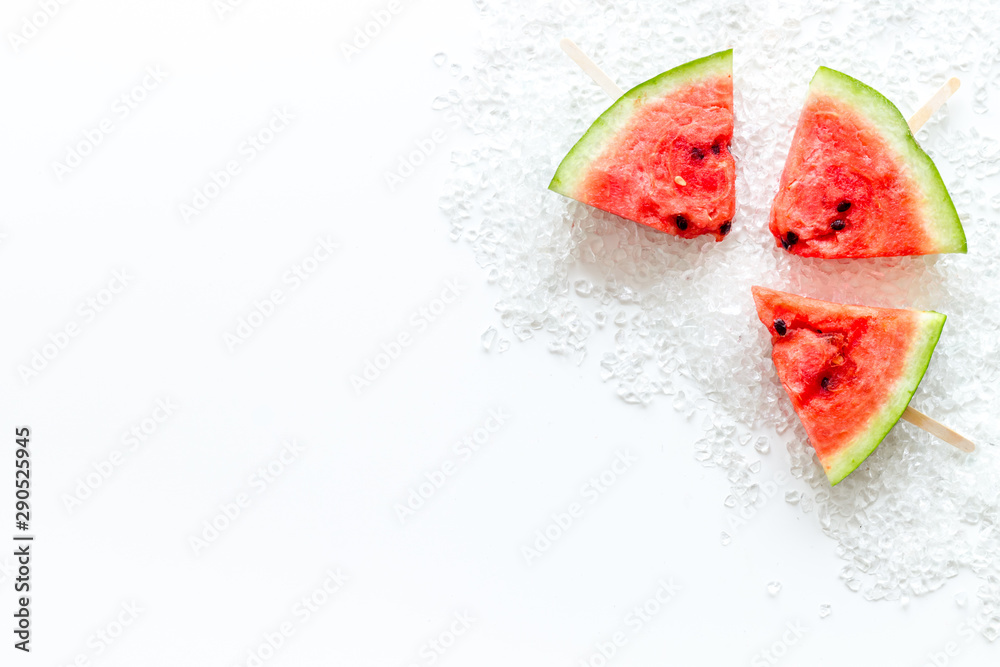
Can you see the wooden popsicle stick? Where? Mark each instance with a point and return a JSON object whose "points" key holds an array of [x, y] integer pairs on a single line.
{"points": [[938, 429], [590, 68], [925, 112]]}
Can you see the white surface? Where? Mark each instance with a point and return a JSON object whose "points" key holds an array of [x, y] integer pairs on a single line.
{"points": [[333, 507]]}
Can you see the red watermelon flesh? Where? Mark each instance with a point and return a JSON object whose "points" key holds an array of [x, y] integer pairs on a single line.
{"points": [[856, 184], [660, 155], [850, 371]]}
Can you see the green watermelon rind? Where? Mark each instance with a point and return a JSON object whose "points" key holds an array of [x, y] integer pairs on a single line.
{"points": [[603, 131], [943, 224], [922, 347]]}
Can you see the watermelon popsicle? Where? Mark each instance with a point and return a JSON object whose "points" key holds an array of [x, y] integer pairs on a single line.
{"points": [[660, 155], [849, 371], [856, 183]]}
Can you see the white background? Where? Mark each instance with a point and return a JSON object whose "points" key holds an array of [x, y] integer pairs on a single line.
{"points": [[162, 337]]}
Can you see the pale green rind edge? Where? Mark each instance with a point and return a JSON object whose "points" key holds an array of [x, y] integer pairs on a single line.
{"points": [[596, 140], [943, 224], [849, 458]]}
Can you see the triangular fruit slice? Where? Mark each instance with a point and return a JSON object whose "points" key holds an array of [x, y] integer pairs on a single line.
{"points": [[856, 184], [849, 370], [660, 155]]}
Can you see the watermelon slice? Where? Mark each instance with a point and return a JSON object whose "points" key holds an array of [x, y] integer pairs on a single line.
{"points": [[856, 184], [660, 155], [849, 370]]}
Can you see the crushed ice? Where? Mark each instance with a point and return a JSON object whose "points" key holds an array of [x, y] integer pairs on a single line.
{"points": [[916, 513]]}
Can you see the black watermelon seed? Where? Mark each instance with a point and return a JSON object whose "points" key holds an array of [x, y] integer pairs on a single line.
{"points": [[697, 153], [843, 206], [716, 148], [825, 383], [681, 222], [791, 238], [838, 224], [726, 226], [780, 327]]}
